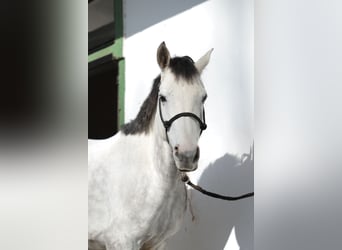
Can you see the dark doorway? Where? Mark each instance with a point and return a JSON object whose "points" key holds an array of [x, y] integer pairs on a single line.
{"points": [[102, 98]]}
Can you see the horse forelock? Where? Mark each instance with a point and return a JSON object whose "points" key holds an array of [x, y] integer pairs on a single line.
{"points": [[183, 67]]}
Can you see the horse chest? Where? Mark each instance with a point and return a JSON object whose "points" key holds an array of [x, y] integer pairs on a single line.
{"points": [[167, 215]]}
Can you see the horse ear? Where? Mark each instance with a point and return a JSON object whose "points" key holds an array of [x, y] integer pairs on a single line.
{"points": [[163, 56], [203, 61]]}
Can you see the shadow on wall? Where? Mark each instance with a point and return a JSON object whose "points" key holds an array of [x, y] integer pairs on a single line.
{"points": [[142, 15], [215, 219]]}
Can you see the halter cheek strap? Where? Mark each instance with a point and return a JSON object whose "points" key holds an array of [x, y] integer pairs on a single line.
{"points": [[167, 124]]}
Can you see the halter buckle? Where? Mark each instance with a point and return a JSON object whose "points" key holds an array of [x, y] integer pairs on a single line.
{"points": [[167, 125]]}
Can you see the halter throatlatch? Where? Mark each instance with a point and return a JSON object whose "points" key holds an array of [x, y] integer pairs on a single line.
{"points": [[167, 124]]}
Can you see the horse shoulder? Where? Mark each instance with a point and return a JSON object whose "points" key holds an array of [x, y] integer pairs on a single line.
{"points": [[99, 183], [118, 180]]}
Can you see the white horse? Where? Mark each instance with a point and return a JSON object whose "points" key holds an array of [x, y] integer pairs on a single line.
{"points": [[136, 199]]}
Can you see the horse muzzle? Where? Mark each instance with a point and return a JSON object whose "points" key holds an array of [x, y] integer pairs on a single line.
{"points": [[186, 161]]}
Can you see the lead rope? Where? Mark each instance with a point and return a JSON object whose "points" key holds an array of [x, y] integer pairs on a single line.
{"points": [[186, 180]]}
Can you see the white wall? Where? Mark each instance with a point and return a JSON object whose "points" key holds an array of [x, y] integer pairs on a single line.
{"points": [[192, 28]]}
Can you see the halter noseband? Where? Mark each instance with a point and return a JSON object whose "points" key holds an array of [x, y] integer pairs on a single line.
{"points": [[167, 124]]}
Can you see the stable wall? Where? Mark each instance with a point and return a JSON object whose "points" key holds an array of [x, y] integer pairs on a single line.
{"points": [[192, 28]]}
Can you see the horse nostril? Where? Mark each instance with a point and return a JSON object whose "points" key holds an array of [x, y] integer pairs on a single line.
{"points": [[176, 148], [197, 155]]}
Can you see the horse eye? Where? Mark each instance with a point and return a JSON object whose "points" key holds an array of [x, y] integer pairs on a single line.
{"points": [[162, 98], [204, 98]]}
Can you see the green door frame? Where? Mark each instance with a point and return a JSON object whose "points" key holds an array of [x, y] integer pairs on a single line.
{"points": [[116, 50]]}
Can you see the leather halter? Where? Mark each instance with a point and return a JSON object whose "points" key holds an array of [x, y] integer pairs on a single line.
{"points": [[184, 177], [167, 124]]}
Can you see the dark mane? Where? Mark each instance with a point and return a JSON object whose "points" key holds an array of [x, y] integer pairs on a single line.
{"points": [[183, 67], [144, 119]]}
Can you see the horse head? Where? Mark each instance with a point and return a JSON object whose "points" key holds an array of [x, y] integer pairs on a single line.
{"points": [[181, 105]]}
